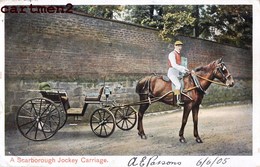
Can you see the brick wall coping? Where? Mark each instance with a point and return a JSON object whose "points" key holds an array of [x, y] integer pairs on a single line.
{"points": [[111, 20], [150, 28]]}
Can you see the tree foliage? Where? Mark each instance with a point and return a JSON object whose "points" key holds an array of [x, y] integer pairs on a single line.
{"points": [[233, 24], [148, 15]]}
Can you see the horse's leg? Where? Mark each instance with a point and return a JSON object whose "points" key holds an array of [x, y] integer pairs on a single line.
{"points": [[142, 109], [195, 113], [185, 116]]}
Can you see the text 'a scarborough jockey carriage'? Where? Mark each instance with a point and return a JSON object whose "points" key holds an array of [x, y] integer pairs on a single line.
{"points": [[40, 118]]}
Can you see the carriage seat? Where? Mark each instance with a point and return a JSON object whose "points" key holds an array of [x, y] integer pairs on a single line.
{"points": [[57, 97], [95, 98]]}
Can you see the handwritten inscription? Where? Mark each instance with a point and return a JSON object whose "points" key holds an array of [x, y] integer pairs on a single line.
{"points": [[211, 162], [151, 161]]}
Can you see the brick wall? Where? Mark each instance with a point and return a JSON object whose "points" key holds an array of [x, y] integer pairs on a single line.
{"points": [[201, 52], [83, 51], [69, 46], [72, 47]]}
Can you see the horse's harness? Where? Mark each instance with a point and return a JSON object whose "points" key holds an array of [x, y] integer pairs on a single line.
{"points": [[220, 68]]}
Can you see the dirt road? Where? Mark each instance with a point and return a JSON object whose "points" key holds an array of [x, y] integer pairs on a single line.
{"points": [[225, 130]]}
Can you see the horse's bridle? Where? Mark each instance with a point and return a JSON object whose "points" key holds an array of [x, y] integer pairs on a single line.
{"points": [[220, 68]]}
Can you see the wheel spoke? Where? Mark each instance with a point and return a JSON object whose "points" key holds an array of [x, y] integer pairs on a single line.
{"points": [[40, 107], [99, 114], [96, 118], [97, 127], [109, 116], [102, 122], [51, 120], [126, 122], [35, 135], [26, 117], [31, 128], [121, 114], [27, 123], [46, 109], [125, 118], [130, 122], [38, 119], [105, 130], [104, 114], [34, 108], [123, 123], [131, 113], [101, 130], [42, 129], [120, 121], [127, 111], [27, 110], [108, 126]]}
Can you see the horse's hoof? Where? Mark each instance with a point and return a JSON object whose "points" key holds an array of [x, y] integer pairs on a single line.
{"points": [[143, 136], [198, 140], [183, 140]]}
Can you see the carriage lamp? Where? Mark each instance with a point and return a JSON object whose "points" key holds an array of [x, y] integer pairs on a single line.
{"points": [[107, 91]]}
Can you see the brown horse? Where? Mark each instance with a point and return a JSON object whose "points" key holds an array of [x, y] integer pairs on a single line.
{"points": [[155, 86]]}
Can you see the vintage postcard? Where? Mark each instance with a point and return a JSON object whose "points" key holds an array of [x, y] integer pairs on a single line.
{"points": [[130, 84]]}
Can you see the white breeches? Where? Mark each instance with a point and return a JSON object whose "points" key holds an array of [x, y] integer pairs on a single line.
{"points": [[173, 75]]}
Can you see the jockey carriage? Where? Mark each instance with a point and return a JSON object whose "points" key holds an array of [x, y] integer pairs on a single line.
{"points": [[40, 118]]}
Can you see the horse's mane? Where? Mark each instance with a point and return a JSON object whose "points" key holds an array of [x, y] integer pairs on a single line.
{"points": [[202, 69]]}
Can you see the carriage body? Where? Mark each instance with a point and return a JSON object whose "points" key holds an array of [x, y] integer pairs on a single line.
{"points": [[40, 118]]}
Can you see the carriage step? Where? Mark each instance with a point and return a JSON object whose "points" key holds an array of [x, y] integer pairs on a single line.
{"points": [[76, 111], [78, 118]]}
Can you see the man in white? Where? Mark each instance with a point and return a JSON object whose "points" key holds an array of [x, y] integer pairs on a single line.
{"points": [[175, 68]]}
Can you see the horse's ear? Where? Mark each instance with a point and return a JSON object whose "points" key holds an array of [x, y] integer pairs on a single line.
{"points": [[220, 60]]}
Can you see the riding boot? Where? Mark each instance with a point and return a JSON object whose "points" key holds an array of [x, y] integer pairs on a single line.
{"points": [[178, 97]]}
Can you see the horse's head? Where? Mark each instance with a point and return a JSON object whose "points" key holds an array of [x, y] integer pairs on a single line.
{"points": [[221, 73]]}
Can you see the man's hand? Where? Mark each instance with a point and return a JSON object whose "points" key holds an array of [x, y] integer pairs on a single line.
{"points": [[187, 71]]}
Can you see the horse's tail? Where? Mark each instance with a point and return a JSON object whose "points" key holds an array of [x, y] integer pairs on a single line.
{"points": [[143, 85]]}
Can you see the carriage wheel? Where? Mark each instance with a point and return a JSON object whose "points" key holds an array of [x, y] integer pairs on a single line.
{"points": [[125, 117], [63, 116], [38, 119], [102, 122]]}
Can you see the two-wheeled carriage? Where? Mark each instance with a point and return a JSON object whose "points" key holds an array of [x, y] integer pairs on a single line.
{"points": [[40, 118]]}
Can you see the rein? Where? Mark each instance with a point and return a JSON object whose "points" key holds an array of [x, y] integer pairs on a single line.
{"points": [[149, 100], [212, 81], [155, 99]]}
